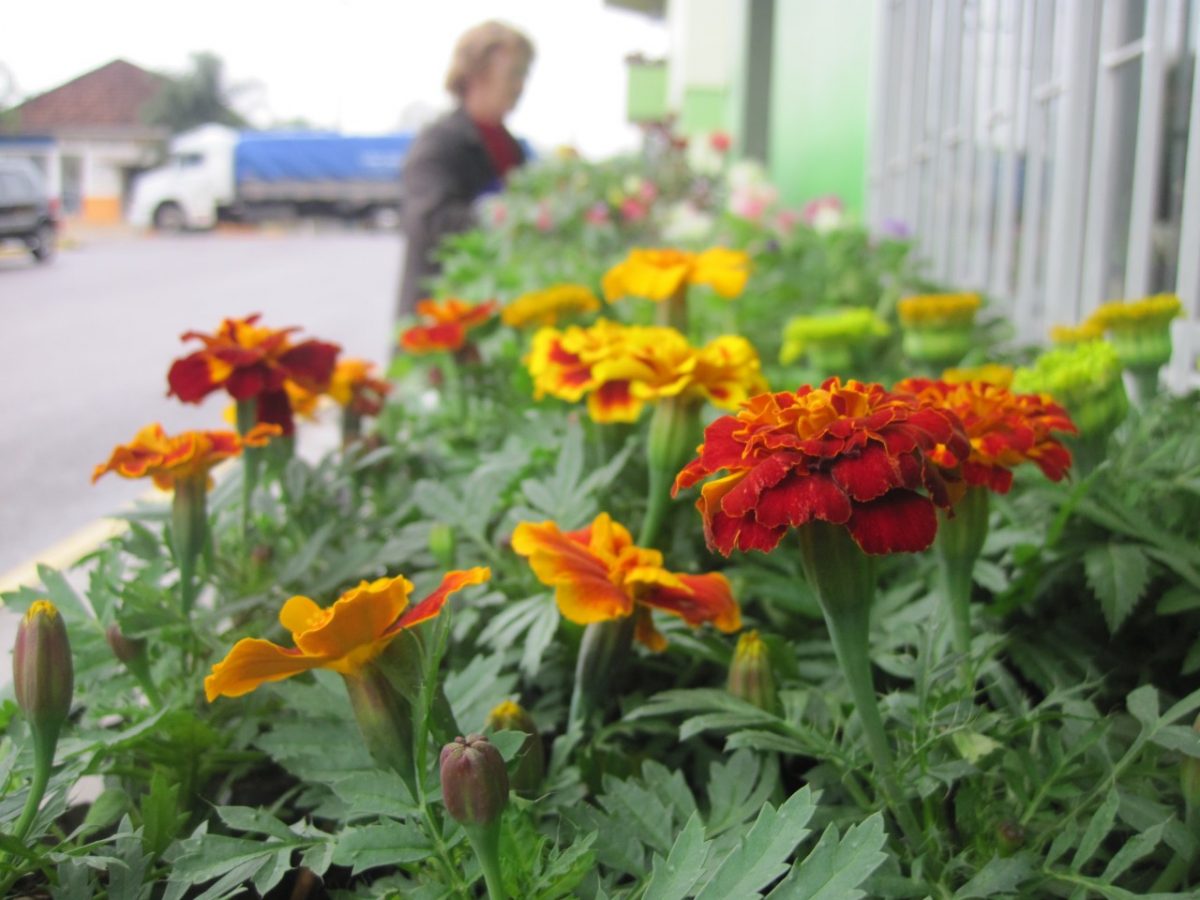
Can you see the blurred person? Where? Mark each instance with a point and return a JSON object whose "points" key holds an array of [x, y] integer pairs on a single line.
{"points": [[464, 154]]}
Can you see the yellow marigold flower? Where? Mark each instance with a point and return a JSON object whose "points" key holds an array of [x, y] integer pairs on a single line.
{"points": [[1089, 330], [344, 637], [990, 373], [353, 386], [660, 274], [620, 368], [547, 306], [936, 310], [170, 460], [1147, 312], [598, 575]]}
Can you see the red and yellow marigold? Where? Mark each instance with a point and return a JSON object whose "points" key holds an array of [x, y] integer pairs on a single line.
{"points": [[545, 307], [1005, 430], [660, 274], [621, 368], [186, 456], [251, 361], [600, 575], [354, 387], [450, 320], [850, 454], [344, 637]]}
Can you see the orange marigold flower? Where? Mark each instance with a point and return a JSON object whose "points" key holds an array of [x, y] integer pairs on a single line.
{"points": [[1005, 429], [850, 454], [169, 460], [546, 307], [451, 320], [598, 575], [249, 360], [621, 368], [355, 387], [343, 637], [660, 274]]}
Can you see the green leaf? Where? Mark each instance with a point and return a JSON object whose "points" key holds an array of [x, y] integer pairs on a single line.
{"points": [[1118, 575], [255, 821], [376, 792], [639, 811], [1001, 875], [1135, 848], [761, 855], [1098, 828], [382, 844], [674, 877], [1143, 705], [104, 811], [836, 866], [161, 818], [736, 789]]}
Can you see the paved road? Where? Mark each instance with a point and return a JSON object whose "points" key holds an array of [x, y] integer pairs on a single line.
{"points": [[85, 344]]}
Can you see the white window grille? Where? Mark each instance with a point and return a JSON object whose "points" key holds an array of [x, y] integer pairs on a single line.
{"points": [[1040, 151]]}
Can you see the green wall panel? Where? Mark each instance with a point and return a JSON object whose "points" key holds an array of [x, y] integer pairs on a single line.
{"points": [[820, 97], [704, 109]]}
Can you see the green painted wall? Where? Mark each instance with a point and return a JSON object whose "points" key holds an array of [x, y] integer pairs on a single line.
{"points": [[704, 109], [820, 98], [646, 92]]}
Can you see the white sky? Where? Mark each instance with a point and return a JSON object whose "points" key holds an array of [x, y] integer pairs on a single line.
{"points": [[353, 64]]}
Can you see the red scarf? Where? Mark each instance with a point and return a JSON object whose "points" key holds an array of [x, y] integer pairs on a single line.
{"points": [[500, 145]]}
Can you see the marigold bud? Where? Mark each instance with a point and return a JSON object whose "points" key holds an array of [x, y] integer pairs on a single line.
{"points": [[750, 675], [43, 676], [1010, 837], [1189, 776], [125, 649], [531, 758], [474, 780]]}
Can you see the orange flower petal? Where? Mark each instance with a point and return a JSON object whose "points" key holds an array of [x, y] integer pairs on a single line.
{"points": [[358, 619], [432, 605], [253, 662]]}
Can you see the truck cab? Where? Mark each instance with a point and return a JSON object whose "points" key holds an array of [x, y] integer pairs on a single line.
{"points": [[192, 186]]}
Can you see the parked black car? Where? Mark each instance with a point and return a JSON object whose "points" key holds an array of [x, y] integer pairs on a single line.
{"points": [[27, 213]]}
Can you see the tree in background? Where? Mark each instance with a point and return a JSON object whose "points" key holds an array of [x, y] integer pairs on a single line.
{"points": [[196, 98]]}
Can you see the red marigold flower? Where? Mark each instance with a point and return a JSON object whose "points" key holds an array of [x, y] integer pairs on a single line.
{"points": [[169, 460], [251, 361], [452, 319], [353, 386], [599, 575], [850, 454], [1005, 429]]}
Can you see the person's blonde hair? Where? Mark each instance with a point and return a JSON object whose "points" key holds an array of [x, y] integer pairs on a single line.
{"points": [[476, 47]]}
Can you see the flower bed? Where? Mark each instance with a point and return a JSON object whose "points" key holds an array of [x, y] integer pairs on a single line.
{"points": [[623, 586]]}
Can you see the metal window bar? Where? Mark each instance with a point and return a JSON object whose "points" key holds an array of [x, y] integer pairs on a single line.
{"points": [[983, 209], [929, 149], [964, 173], [949, 138], [919, 12], [1186, 333]]}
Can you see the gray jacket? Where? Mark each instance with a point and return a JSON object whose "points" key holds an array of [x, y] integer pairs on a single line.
{"points": [[447, 169]]}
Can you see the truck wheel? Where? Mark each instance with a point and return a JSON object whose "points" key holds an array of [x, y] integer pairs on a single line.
{"points": [[41, 243], [169, 217]]}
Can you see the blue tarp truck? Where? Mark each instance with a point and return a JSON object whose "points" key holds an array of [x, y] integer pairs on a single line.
{"points": [[214, 172]]}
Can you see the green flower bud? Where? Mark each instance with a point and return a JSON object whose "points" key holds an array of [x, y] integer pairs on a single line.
{"points": [[750, 675], [531, 758], [127, 650], [1010, 837], [43, 676], [474, 780], [442, 544]]}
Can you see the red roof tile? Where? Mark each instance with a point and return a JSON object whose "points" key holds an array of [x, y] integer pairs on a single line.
{"points": [[111, 96]]}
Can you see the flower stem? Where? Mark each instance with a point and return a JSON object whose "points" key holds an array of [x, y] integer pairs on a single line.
{"points": [[673, 312], [958, 544], [1145, 384], [657, 502], [604, 646], [485, 840], [843, 578], [43, 759], [247, 415]]}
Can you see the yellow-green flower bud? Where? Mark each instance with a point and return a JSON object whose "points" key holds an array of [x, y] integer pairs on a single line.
{"points": [[750, 675], [43, 676], [531, 758], [442, 545], [474, 780]]}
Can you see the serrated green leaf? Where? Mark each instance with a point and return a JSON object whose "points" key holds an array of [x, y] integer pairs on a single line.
{"points": [[255, 821], [1098, 828], [104, 811], [1137, 847], [674, 877], [639, 811], [837, 866], [376, 792], [382, 844], [1001, 875], [161, 818], [761, 855], [736, 789], [1118, 575]]}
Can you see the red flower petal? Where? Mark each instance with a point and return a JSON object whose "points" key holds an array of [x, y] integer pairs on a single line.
{"points": [[899, 521], [310, 363], [242, 384], [742, 498], [189, 378], [800, 498], [868, 475]]}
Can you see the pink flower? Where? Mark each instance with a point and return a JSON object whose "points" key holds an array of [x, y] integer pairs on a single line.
{"points": [[499, 214], [647, 192], [632, 210], [597, 214], [720, 141], [544, 220], [786, 221]]}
